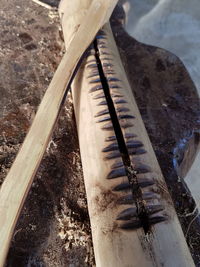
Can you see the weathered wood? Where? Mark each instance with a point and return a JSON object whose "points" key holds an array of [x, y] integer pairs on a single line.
{"points": [[165, 245], [19, 179]]}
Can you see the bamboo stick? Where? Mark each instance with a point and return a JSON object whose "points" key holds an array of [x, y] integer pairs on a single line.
{"points": [[19, 179], [165, 245]]}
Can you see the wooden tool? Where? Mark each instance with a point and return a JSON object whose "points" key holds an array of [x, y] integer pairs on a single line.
{"points": [[19, 179], [110, 151]]}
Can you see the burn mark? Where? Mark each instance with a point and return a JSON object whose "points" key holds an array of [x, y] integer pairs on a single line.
{"points": [[113, 155], [130, 135], [98, 37], [136, 151], [109, 72], [122, 109], [140, 209], [91, 66], [116, 173], [108, 126], [111, 147], [98, 80], [132, 224], [143, 182], [114, 86], [120, 101], [104, 119], [125, 116], [117, 165], [106, 199], [112, 79], [96, 88], [107, 65], [102, 103], [103, 112], [116, 95], [127, 214], [125, 124], [99, 96], [110, 138], [126, 200]]}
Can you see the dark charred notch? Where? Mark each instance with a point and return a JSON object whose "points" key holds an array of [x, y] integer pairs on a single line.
{"points": [[116, 95], [108, 126], [126, 200], [134, 144], [111, 147], [129, 135], [125, 124], [102, 103], [145, 182], [113, 155], [120, 101], [91, 66], [110, 138], [126, 116], [100, 95], [101, 113], [104, 119], [131, 225], [106, 65], [114, 86], [101, 37], [96, 88], [95, 81], [122, 109], [113, 79], [141, 211], [117, 164], [127, 214], [135, 151], [116, 173], [109, 72]]}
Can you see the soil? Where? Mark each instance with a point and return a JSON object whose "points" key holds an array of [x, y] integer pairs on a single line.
{"points": [[54, 228]]}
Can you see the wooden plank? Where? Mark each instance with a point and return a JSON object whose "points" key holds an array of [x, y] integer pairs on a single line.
{"points": [[19, 179], [165, 245]]}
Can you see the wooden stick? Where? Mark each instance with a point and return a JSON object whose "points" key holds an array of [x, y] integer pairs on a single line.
{"points": [[165, 245], [19, 179]]}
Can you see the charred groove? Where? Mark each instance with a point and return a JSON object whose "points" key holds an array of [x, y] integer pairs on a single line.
{"points": [[121, 117], [127, 187], [104, 119], [116, 125], [141, 211], [101, 113]]}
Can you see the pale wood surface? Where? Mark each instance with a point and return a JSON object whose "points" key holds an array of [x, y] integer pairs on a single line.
{"points": [[19, 179], [166, 245]]}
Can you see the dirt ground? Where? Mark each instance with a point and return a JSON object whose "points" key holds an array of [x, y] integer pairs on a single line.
{"points": [[54, 229]]}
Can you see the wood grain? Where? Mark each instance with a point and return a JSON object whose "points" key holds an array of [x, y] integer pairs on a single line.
{"points": [[19, 179]]}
